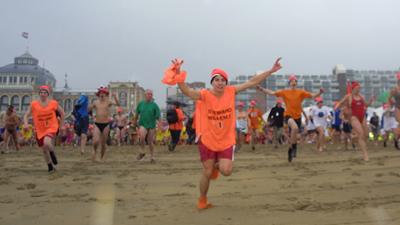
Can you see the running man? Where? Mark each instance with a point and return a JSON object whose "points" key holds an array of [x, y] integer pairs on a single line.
{"points": [[336, 125], [102, 107], [255, 116], [146, 117], [122, 124], [242, 125], [81, 116], [356, 103], [46, 124], [320, 115], [176, 128], [2, 129], [394, 100], [275, 120], [215, 120], [11, 122], [293, 98]]}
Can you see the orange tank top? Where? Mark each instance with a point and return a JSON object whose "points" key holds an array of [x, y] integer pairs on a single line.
{"points": [[44, 118], [217, 119]]}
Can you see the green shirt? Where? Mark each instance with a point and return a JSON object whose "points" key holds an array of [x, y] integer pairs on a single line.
{"points": [[148, 113]]}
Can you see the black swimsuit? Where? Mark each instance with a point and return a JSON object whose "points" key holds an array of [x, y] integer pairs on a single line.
{"points": [[101, 126]]}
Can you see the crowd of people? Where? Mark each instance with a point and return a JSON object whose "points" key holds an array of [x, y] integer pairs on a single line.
{"points": [[220, 125]]}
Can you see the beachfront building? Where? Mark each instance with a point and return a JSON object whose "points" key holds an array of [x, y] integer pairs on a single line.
{"points": [[373, 82], [20, 81]]}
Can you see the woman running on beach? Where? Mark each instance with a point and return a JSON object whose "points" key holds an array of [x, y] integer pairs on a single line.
{"points": [[357, 105]]}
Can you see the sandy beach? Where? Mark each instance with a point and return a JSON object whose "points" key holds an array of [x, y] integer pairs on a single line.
{"points": [[329, 188]]}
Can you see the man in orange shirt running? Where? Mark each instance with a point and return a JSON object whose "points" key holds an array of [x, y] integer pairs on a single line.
{"points": [[46, 124], [176, 128], [215, 121], [255, 116], [293, 99]]}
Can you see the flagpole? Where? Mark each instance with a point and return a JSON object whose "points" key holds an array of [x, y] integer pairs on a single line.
{"points": [[27, 44]]}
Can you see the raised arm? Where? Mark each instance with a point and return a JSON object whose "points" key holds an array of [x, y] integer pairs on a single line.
{"points": [[266, 91], [259, 77], [186, 90], [371, 101], [115, 102], [190, 92], [91, 107], [26, 116], [344, 100], [315, 95]]}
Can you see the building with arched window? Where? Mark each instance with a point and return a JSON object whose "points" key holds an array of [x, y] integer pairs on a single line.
{"points": [[20, 79]]}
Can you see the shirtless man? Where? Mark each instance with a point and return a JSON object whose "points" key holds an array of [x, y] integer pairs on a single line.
{"points": [[122, 123], [102, 107], [11, 122], [2, 115], [242, 125]]}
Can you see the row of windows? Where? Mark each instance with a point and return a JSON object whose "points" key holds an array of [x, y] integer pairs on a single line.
{"points": [[26, 61], [18, 103], [15, 79]]}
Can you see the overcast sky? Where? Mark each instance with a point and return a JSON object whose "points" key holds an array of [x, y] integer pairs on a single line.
{"points": [[97, 41]]}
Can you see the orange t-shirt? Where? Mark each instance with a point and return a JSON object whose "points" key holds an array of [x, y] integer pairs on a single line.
{"points": [[44, 118], [181, 117], [293, 99], [254, 115], [216, 120]]}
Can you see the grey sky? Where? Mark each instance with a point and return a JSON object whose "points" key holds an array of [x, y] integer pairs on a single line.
{"points": [[96, 41]]}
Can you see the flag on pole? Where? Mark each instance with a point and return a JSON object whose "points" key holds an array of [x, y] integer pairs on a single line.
{"points": [[25, 35]]}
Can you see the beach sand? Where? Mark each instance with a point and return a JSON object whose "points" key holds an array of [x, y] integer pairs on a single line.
{"points": [[329, 188]]}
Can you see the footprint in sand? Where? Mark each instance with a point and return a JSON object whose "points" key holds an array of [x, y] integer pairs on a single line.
{"points": [[38, 193], [6, 201], [28, 186], [188, 184], [75, 179], [379, 181], [292, 198], [118, 185], [356, 174], [394, 174], [132, 217], [123, 174], [4, 181], [176, 194], [56, 175], [379, 175]]}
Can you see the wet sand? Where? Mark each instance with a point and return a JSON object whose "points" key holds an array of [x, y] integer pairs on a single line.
{"points": [[329, 188]]}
